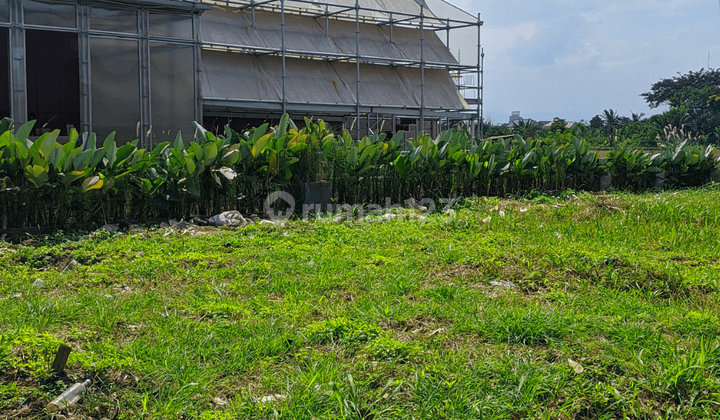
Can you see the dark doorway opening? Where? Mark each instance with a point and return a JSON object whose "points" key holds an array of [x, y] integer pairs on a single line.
{"points": [[4, 74], [53, 80]]}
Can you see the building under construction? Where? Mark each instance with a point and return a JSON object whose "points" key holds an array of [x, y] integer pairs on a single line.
{"points": [[148, 68]]}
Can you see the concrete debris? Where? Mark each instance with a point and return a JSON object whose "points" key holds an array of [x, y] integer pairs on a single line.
{"points": [[502, 283], [412, 203], [229, 218], [110, 228], [179, 224], [272, 398], [577, 367], [38, 284]]}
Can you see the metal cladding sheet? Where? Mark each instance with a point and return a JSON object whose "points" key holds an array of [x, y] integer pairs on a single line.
{"points": [[247, 77], [440, 90], [229, 26], [238, 76], [313, 81]]}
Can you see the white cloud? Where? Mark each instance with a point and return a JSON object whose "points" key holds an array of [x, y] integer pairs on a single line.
{"points": [[573, 59]]}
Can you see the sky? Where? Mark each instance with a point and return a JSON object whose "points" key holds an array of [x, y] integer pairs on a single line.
{"points": [[573, 59]]}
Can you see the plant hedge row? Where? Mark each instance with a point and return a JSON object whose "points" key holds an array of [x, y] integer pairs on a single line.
{"points": [[47, 182]]}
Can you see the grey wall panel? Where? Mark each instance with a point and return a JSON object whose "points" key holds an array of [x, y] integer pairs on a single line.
{"points": [[49, 14], [4, 11], [4, 73], [172, 90], [230, 26], [237, 76], [172, 26], [102, 19], [115, 87]]}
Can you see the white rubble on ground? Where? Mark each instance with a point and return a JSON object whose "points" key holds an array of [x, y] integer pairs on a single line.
{"points": [[229, 218]]}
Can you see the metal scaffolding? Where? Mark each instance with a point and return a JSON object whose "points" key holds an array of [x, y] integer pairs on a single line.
{"points": [[413, 24]]}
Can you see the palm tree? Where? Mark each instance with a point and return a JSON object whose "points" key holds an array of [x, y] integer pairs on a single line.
{"points": [[611, 121], [637, 117]]}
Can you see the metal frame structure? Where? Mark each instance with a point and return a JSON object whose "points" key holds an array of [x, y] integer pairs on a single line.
{"points": [[17, 50], [327, 12]]}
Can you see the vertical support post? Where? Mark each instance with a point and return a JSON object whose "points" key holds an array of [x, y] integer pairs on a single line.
{"points": [[84, 57], [448, 34], [422, 68], [252, 11], [391, 27], [18, 74], [357, 65], [145, 134], [198, 68], [284, 69], [482, 91], [479, 81], [327, 21]]}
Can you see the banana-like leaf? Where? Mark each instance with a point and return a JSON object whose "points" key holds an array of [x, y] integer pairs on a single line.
{"points": [[73, 176], [110, 149], [108, 184], [282, 127], [46, 143], [190, 164], [272, 162], [37, 175], [6, 139], [259, 146], [91, 183], [24, 131], [210, 153]]}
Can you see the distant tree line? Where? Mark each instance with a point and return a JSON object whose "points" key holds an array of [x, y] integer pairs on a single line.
{"points": [[694, 114]]}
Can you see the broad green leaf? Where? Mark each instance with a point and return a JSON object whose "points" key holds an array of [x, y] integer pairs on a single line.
{"points": [[272, 162], [91, 183], [5, 139], [110, 149], [73, 176], [37, 175], [190, 164], [108, 184], [24, 131], [47, 143], [91, 143], [178, 144], [259, 146], [211, 152]]}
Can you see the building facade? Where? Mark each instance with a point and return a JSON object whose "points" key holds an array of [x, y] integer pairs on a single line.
{"points": [[148, 68]]}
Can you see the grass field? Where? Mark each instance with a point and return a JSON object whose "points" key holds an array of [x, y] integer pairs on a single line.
{"points": [[580, 307]]}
